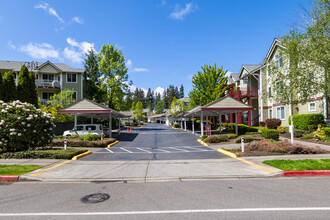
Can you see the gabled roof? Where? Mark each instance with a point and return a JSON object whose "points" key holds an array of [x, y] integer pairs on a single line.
{"points": [[248, 68], [227, 103], [90, 108], [16, 66], [276, 42], [234, 76], [193, 111]]}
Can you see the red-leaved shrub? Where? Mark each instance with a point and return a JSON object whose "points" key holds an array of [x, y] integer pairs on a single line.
{"points": [[273, 123]]}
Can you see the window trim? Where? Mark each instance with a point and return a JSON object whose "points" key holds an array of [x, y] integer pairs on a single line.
{"points": [[282, 119], [309, 106], [71, 77], [270, 113], [75, 92]]}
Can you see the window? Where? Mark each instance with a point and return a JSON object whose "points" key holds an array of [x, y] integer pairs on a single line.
{"points": [[74, 95], [59, 78], [245, 81], [245, 116], [270, 91], [48, 76], [278, 61], [280, 114], [270, 113], [71, 77], [79, 128], [238, 83], [312, 107], [92, 127], [47, 95]]}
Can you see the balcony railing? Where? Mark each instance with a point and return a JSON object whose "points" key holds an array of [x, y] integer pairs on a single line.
{"points": [[48, 84], [44, 101], [248, 91]]}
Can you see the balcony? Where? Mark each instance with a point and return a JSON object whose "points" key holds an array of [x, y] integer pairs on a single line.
{"points": [[53, 84], [249, 92]]}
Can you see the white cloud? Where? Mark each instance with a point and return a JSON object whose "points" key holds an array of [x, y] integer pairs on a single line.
{"points": [[39, 51], [77, 20], [179, 13], [159, 90], [11, 45], [129, 65], [77, 50], [50, 10]]}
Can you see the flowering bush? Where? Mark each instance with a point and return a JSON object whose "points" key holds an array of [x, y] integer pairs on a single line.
{"points": [[23, 127]]}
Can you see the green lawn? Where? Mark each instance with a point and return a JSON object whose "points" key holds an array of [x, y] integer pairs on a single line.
{"points": [[308, 164], [17, 169]]}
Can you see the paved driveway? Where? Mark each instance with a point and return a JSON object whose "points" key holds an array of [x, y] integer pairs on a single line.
{"points": [[155, 142]]}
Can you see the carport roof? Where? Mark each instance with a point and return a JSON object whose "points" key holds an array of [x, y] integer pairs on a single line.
{"points": [[86, 107]]}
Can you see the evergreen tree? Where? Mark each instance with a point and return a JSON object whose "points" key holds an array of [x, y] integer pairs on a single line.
{"points": [[176, 93], [128, 100], [181, 91], [9, 87], [149, 100], [33, 90], [1, 87], [23, 85], [138, 111], [165, 98], [157, 98], [159, 107]]}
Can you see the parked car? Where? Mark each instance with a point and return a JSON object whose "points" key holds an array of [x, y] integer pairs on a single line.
{"points": [[84, 129]]}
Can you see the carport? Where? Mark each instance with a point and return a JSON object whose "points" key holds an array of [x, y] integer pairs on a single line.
{"points": [[88, 108], [224, 105]]}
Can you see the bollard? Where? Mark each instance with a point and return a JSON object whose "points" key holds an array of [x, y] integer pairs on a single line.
{"points": [[102, 136], [65, 144], [127, 129], [131, 128], [242, 144]]}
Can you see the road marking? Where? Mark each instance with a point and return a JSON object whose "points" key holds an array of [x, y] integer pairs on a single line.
{"points": [[50, 168], [126, 150], [197, 148], [109, 150], [143, 150], [163, 150], [178, 149], [167, 211]]}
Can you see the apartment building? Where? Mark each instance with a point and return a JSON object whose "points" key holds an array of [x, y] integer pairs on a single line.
{"points": [[51, 78]]}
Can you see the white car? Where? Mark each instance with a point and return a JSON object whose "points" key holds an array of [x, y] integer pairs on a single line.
{"points": [[84, 129]]}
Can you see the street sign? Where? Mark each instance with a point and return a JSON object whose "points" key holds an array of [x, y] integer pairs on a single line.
{"points": [[208, 130]]}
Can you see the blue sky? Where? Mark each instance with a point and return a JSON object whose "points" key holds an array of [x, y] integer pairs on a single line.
{"points": [[164, 42]]}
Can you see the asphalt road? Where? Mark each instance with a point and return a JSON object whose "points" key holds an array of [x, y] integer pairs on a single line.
{"points": [[155, 142], [270, 198]]}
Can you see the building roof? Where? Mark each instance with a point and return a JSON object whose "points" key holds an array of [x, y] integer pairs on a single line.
{"points": [[16, 66], [230, 81], [185, 99], [86, 107], [234, 76], [250, 68]]}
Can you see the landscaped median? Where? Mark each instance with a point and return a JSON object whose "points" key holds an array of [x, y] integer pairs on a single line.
{"points": [[11, 173], [307, 167]]}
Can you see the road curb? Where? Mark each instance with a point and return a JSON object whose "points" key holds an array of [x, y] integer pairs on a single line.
{"points": [[27, 178], [307, 173], [112, 144], [175, 128], [227, 153], [202, 142], [9, 178], [81, 155]]}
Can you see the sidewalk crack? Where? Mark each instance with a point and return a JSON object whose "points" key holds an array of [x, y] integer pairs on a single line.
{"points": [[145, 177]]}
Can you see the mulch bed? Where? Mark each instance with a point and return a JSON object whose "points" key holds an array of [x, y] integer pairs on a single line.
{"points": [[288, 135]]}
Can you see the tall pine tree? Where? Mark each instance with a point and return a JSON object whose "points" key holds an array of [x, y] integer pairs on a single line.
{"points": [[1, 87], [9, 87], [23, 85], [33, 90], [181, 91]]}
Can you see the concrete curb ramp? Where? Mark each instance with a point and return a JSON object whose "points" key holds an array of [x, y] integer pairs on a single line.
{"points": [[202, 142], [81, 155]]}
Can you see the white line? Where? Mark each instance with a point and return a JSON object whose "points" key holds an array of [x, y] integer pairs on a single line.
{"points": [[163, 150], [126, 150], [178, 149], [166, 211], [109, 150], [197, 148], [143, 150]]}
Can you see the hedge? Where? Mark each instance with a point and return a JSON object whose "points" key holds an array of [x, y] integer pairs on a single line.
{"points": [[176, 126], [80, 143], [216, 138], [270, 134], [273, 123], [307, 121], [242, 129], [43, 154]]}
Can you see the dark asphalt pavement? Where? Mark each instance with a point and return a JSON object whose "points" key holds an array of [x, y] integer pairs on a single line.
{"points": [[155, 142]]}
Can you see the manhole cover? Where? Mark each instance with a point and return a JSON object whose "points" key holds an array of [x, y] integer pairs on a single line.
{"points": [[95, 198]]}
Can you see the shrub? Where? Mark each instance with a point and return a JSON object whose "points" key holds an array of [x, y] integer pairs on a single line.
{"points": [[43, 154], [176, 126], [246, 140], [204, 137], [270, 134], [225, 125], [284, 147], [322, 134], [23, 127], [308, 136], [92, 137], [273, 123], [262, 124], [81, 143], [231, 136], [216, 138], [281, 129], [127, 123], [252, 133], [242, 129], [307, 121], [299, 133], [135, 124]]}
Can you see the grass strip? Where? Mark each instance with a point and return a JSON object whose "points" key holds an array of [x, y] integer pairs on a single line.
{"points": [[295, 165], [43, 154], [17, 169]]}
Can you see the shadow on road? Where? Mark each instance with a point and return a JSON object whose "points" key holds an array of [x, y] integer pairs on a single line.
{"points": [[129, 137]]}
